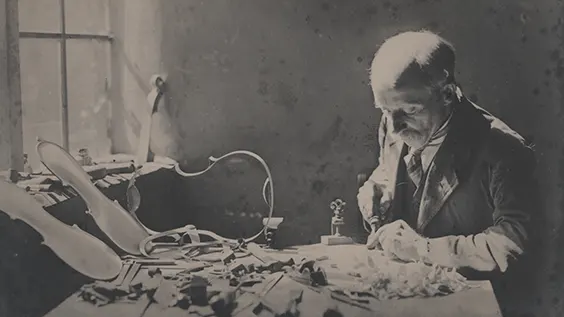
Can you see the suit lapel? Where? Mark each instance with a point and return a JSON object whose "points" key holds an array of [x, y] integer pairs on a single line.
{"points": [[440, 183], [397, 150], [453, 160]]}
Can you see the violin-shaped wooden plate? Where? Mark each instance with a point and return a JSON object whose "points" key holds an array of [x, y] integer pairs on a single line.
{"points": [[80, 250], [110, 217]]}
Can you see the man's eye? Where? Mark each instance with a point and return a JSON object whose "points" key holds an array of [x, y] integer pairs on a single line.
{"points": [[411, 110]]}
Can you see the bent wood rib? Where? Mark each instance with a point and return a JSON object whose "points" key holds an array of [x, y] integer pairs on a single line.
{"points": [[77, 248], [110, 217]]}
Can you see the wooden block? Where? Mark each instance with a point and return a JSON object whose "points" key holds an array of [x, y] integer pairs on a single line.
{"points": [[116, 158], [56, 197], [112, 180], [102, 184], [227, 256], [259, 253], [336, 240], [96, 172], [120, 168]]}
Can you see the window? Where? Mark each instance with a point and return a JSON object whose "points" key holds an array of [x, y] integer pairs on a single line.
{"points": [[65, 74]]}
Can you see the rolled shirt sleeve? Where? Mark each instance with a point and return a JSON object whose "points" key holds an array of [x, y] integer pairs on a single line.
{"points": [[379, 179]]}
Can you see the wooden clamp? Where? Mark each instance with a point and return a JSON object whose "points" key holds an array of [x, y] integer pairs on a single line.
{"points": [[143, 148]]}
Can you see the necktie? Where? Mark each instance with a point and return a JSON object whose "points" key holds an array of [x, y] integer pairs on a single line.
{"points": [[415, 168]]}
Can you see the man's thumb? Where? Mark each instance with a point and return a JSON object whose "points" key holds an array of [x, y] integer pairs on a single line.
{"points": [[372, 242]]}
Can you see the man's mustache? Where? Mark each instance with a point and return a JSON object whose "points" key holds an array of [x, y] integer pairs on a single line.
{"points": [[407, 132]]}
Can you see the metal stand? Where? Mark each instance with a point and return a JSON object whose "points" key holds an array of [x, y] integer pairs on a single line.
{"points": [[337, 221], [271, 227]]}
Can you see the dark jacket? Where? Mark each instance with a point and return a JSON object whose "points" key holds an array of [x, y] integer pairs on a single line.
{"points": [[479, 195]]}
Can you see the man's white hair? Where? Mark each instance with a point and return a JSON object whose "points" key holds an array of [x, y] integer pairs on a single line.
{"points": [[415, 57]]}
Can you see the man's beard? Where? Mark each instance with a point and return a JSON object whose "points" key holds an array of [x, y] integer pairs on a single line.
{"points": [[412, 138]]}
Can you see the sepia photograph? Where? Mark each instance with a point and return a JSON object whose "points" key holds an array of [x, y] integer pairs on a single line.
{"points": [[281, 158]]}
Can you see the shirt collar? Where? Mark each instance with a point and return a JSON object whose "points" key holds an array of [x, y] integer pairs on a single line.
{"points": [[437, 138]]}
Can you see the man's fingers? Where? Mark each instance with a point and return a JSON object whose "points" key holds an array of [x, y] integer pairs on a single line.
{"points": [[393, 246], [381, 230], [366, 211], [392, 230], [388, 248], [409, 234], [387, 232], [372, 243], [394, 226], [402, 224], [406, 227]]}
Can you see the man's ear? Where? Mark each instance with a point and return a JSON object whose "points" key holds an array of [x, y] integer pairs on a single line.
{"points": [[449, 90], [449, 93]]}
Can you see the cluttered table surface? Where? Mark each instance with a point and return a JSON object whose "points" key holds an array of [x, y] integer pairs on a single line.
{"points": [[314, 280], [251, 280]]}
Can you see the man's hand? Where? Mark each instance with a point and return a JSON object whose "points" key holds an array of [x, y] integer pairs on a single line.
{"points": [[368, 196], [398, 240]]}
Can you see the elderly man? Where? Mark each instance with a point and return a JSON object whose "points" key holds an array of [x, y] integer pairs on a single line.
{"points": [[453, 184]]}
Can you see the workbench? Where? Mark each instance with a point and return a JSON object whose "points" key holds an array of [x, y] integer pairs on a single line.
{"points": [[476, 301]]}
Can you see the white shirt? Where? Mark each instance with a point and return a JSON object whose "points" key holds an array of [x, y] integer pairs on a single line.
{"points": [[428, 153]]}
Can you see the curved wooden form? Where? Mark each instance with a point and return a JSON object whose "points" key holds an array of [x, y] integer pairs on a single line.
{"points": [[123, 229], [146, 246], [268, 184], [80, 250]]}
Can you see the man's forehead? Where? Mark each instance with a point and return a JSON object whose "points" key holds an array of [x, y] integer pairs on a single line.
{"points": [[398, 96], [396, 75]]}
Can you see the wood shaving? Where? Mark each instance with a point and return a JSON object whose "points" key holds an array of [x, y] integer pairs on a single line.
{"points": [[392, 280]]}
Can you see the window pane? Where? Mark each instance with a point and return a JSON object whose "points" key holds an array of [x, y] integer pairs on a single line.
{"points": [[39, 15], [88, 93], [86, 16], [41, 93]]}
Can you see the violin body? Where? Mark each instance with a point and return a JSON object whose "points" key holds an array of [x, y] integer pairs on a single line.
{"points": [[80, 250], [111, 218]]}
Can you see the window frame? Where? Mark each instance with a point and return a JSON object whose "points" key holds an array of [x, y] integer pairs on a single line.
{"points": [[62, 36]]}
